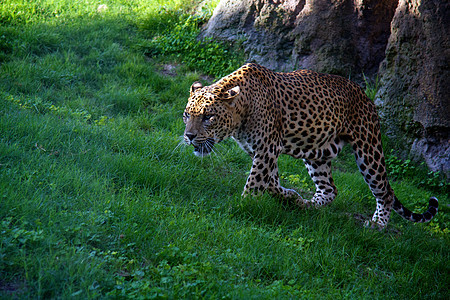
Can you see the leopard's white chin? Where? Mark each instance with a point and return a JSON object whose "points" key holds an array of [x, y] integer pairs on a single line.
{"points": [[201, 153], [204, 149]]}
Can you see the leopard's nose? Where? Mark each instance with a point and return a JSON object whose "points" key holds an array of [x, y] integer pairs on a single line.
{"points": [[190, 136]]}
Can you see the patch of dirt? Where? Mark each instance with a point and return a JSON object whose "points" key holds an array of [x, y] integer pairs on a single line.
{"points": [[12, 288], [172, 69], [207, 78], [169, 69], [365, 221]]}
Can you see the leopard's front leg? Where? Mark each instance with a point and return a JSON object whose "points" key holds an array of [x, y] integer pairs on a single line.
{"points": [[264, 177]]}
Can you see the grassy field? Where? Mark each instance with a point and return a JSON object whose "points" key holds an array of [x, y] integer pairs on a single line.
{"points": [[100, 199]]}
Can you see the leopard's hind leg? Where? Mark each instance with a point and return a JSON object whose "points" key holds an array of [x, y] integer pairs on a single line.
{"points": [[320, 173], [369, 157], [371, 163]]}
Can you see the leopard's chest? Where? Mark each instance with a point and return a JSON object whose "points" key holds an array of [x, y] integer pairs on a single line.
{"points": [[244, 144]]}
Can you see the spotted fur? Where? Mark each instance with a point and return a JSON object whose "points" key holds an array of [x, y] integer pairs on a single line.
{"points": [[304, 114]]}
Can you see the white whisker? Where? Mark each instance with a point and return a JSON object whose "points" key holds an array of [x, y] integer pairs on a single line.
{"points": [[181, 143], [217, 150], [209, 143]]}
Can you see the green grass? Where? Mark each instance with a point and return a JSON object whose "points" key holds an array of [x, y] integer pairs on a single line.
{"points": [[98, 198]]}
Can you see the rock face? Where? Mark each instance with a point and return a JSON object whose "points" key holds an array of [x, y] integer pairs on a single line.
{"points": [[343, 37], [339, 37], [264, 27], [414, 97], [410, 38]]}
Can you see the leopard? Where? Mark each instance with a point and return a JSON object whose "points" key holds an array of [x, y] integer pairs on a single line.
{"points": [[304, 114]]}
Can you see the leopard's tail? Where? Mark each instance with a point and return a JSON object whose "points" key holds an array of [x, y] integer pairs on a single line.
{"points": [[432, 210]]}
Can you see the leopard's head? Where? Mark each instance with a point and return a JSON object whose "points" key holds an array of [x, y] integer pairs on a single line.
{"points": [[209, 116]]}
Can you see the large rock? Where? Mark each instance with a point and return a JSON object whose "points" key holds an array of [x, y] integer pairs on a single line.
{"points": [[264, 28], [415, 86], [343, 37], [340, 37]]}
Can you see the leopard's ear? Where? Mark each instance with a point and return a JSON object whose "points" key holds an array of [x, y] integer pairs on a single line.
{"points": [[230, 94], [196, 85]]}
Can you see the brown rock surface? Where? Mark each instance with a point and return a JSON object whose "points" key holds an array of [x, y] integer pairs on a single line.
{"points": [[340, 37], [414, 98], [263, 26]]}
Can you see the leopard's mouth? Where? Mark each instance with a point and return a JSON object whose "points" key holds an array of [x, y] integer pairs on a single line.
{"points": [[205, 148]]}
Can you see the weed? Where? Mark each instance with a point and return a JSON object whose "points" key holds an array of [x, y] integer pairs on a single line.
{"points": [[371, 87], [303, 183], [181, 41], [407, 169]]}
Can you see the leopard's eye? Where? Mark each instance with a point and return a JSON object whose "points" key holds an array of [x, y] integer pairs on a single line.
{"points": [[207, 118], [186, 115]]}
